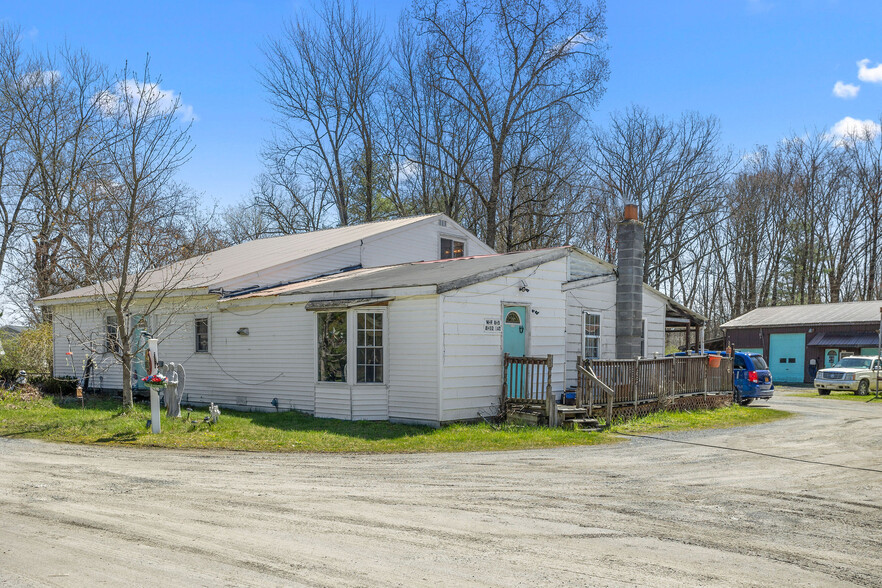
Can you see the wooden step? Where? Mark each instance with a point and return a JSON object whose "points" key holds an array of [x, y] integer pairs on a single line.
{"points": [[587, 425], [570, 410]]}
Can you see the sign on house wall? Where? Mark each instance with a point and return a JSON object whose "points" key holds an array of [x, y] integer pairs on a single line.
{"points": [[492, 325]]}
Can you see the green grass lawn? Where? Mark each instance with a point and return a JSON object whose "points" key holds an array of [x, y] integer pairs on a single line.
{"points": [[103, 423], [836, 396]]}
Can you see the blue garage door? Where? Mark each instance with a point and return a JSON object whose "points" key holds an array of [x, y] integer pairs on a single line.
{"points": [[787, 357]]}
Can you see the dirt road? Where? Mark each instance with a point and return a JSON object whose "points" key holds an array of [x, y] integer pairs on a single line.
{"points": [[646, 512]]}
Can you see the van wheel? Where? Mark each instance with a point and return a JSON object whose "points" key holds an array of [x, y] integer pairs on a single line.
{"points": [[863, 388], [824, 392]]}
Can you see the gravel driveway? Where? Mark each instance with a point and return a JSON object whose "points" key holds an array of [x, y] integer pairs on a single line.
{"points": [[658, 512]]}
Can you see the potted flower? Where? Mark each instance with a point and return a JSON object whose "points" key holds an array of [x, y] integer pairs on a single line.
{"points": [[155, 381]]}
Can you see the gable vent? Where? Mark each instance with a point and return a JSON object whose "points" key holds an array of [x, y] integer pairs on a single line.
{"points": [[442, 222]]}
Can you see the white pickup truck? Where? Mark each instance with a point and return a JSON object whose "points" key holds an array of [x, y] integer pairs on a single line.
{"points": [[857, 373]]}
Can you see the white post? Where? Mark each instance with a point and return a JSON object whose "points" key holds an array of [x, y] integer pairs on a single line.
{"points": [[152, 364], [879, 354], [701, 338]]}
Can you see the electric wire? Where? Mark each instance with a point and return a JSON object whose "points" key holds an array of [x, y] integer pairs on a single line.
{"points": [[760, 453]]}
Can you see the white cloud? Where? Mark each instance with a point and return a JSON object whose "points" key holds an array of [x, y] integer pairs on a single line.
{"points": [[573, 43], [46, 77], [163, 101], [852, 127], [846, 91], [869, 74]]}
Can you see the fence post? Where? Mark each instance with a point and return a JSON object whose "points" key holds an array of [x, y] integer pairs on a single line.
{"points": [[589, 386], [550, 402], [706, 376], [504, 399], [635, 381]]}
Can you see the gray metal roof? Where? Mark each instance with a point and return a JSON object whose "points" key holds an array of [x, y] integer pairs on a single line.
{"points": [[246, 258], [808, 314], [444, 274]]}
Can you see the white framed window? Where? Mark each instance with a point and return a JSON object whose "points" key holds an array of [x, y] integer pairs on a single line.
{"points": [[111, 335], [591, 335], [351, 346], [201, 327], [452, 248], [369, 360], [331, 343]]}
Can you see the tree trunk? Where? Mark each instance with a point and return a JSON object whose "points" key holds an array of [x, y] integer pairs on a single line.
{"points": [[127, 380]]}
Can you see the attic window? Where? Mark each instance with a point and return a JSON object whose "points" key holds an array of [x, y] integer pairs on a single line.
{"points": [[451, 249]]}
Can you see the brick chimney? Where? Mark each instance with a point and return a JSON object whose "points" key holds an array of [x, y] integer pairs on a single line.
{"points": [[629, 286]]}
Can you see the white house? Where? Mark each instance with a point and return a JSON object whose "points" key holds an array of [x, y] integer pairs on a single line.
{"points": [[405, 320]]}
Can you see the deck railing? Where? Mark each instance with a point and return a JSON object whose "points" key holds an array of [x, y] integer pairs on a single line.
{"points": [[638, 381], [527, 379], [612, 383]]}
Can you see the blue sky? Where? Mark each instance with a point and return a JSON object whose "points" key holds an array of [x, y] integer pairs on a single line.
{"points": [[765, 68]]}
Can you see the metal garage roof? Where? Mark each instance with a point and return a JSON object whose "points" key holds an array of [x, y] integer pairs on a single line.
{"points": [[845, 340], [808, 314]]}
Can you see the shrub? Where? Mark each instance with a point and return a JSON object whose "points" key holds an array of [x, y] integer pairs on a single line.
{"points": [[30, 350], [54, 386]]}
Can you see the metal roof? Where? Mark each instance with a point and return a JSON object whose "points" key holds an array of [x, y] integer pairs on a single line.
{"points": [[845, 340], [247, 258], [809, 314], [443, 275]]}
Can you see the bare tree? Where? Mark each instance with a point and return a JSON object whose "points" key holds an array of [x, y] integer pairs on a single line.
{"points": [[59, 132], [136, 201], [676, 173], [17, 171], [503, 62], [323, 79], [864, 153]]}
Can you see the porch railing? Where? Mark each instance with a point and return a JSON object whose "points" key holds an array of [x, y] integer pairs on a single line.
{"points": [[638, 381], [526, 379]]}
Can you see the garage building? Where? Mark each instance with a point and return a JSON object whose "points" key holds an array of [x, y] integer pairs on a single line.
{"points": [[799, 340]]}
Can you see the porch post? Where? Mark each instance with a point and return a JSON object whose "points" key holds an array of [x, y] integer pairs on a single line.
{"points": [[550, 402]]}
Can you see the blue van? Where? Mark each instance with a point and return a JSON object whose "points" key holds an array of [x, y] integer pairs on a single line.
{"points": [[753, 379]]}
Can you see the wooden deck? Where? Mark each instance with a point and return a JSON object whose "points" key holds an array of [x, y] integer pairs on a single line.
{"points": [[606, 387]]}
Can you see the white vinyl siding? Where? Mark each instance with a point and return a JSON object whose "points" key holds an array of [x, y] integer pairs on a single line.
{"points": [[414, 356], [599, 299], [472, 357], [654, 310]]}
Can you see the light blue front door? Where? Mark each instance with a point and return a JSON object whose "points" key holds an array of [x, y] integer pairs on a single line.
{"points": [[787, 357], [514, 343]]}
